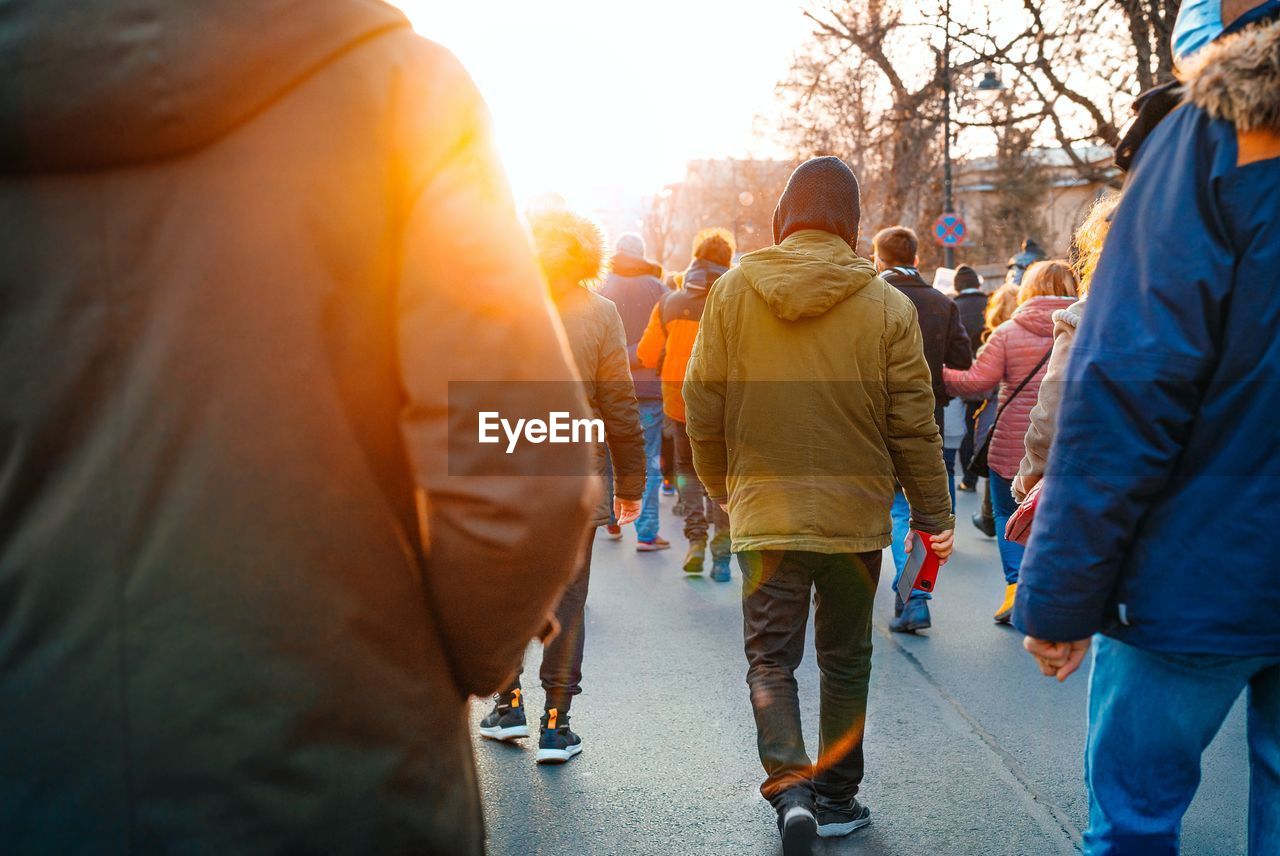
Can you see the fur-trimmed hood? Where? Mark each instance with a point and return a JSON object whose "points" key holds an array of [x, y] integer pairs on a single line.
{"points": [[570, 248], [1237, 78]]}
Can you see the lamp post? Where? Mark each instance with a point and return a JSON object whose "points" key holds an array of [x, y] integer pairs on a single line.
{"points": [[948, 252], [989, 85]]}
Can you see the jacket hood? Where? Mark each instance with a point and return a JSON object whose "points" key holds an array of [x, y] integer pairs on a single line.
{"points": [[1070, 315], [90, 84], [702, 274], [1237, 78], [806, 274], [1036, 314]]}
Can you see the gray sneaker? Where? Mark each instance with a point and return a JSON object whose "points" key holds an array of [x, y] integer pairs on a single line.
{"points": [[835, 820]]}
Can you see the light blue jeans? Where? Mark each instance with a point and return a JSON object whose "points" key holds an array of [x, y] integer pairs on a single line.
{"points": [[651, 422], [900, 514], [1151, 716]]}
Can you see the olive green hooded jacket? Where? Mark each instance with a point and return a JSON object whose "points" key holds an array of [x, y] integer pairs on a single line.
{"points": [[807, 396]]}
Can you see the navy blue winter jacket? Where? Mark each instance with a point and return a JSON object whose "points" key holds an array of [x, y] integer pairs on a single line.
{"points": [[1162, 495]]}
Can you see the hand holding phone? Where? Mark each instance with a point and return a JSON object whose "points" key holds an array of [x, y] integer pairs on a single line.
{"points": [[921, 572]]}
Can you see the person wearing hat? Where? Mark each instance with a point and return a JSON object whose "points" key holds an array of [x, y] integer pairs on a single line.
{"points": [[971, 300], [635, 286], [806, 397]]}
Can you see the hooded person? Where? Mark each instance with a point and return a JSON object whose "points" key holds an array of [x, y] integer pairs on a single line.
{"points": [[806, 397], [571, 252], [635, 286], [1151, 540], [261, 272], [667, 345]]}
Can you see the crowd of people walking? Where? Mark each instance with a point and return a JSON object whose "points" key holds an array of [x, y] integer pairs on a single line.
{"points": [[255, 560]]}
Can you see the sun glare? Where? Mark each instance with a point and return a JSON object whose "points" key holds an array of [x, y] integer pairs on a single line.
{"points": [[602, 102]]}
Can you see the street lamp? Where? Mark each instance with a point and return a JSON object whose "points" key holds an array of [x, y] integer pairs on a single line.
{"points": [[989, 84]]}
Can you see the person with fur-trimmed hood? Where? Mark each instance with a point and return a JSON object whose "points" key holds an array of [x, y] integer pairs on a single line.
{"points": [[1152, 538], [571, 251]]}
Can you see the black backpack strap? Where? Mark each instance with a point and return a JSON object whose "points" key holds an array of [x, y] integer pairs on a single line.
{"points": [[1026, 380]]}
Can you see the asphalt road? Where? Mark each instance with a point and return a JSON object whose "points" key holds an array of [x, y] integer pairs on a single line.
{"points": [[969, 749]]}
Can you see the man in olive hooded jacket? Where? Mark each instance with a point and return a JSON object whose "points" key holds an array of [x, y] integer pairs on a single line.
{"points": [[259, 272], [807, 396]]}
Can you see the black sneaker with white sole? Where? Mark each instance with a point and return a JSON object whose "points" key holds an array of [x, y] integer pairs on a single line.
{"points": [[557, 743], [835, 820], [506, 721], [799, 829]]}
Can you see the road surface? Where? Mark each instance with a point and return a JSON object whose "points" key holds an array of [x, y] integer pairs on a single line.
{"points": [[969, 749]]}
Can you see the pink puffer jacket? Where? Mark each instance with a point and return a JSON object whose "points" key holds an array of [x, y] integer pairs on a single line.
{"points": [[1009, 356]]}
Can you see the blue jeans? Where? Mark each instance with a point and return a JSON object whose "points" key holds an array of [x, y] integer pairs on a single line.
{"points": [[651, 422], [1151, 716], [1003, 505], [900, 514]]}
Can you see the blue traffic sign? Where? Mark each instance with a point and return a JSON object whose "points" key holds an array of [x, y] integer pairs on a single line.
{"points": [[949, 230]]}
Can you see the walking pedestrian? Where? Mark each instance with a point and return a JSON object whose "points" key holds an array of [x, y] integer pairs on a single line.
{"points": [[668, 343], [1013, 361], [946, 343], [1000, 308], [571, 251], [1153, 546], [1043, 420], [806, 395], [972, 301], [634, 284], [1028, 254], [259, 267]]}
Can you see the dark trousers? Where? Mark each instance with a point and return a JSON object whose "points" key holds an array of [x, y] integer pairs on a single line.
{"points": [[703, 513], [561, 671], [968, 445], [776, 587]]}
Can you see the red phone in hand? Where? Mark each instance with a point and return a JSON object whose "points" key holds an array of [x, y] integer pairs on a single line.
{"points": [[921, 572]]}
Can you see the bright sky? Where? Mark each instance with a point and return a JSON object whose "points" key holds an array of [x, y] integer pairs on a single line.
{"points": [[601, 100]]}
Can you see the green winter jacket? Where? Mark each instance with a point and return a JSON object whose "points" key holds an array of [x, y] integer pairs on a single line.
{"points": [[807, 396]]}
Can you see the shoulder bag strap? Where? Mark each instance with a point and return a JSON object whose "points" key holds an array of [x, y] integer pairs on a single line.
{"points": [[1026, 380]]}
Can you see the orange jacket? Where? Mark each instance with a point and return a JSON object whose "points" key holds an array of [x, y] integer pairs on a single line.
{"points": [[673, 326]]}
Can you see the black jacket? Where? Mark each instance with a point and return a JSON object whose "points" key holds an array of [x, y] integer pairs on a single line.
{"points": [[945, 341], [972, 303]]}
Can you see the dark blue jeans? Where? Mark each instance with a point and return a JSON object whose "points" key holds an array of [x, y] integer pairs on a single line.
{"points": [[1151, 716]]}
